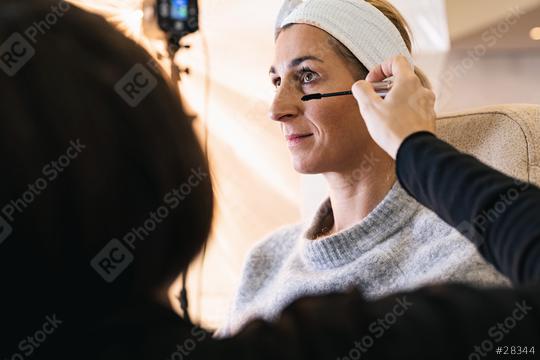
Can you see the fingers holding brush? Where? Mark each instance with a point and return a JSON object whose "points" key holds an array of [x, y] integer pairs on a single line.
{"points": [[408, 107]]}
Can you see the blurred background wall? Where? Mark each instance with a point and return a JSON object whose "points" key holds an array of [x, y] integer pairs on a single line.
{"points": [[475, 52]]}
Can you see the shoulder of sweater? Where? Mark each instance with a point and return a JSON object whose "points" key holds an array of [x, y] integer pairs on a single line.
{"points": [[428, 223], [262, 262], [471, 267], [268, 253], [278, 241]]}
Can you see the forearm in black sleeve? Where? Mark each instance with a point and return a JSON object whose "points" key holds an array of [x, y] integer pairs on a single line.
{"points": [[500, 214]]}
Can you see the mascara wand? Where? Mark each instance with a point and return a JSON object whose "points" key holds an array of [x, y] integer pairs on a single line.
{"points": [[382, 89]]}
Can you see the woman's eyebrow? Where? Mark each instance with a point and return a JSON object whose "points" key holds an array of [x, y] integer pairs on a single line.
{"points": [[297, 62]]}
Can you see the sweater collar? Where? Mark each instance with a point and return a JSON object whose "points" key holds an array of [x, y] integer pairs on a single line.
{"points": [[344, 247]]}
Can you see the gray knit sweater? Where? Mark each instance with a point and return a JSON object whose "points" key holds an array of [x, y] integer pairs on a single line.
{"points": [[400, 245]]}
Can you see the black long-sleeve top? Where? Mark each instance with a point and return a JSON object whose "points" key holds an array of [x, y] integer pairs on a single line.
{"points": [[500, 214]]}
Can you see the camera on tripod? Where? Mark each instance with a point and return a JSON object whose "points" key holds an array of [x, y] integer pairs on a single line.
{"points": [[170, 21], [170, 18], [178, 17]]}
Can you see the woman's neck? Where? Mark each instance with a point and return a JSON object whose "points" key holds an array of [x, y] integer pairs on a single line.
{"points": [[358, 189]]}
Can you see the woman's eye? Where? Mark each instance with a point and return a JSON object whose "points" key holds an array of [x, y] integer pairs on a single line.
{"points": [[308, 77], [276, 82]]}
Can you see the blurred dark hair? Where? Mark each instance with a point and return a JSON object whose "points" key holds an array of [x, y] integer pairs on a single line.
{"points": [[132, 158]]}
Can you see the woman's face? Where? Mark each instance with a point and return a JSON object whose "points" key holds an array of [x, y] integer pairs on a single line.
{"points": [[333, 134]]}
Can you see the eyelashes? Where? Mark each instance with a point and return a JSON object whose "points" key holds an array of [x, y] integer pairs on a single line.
{"points": [[304, 73], [305, 76]]}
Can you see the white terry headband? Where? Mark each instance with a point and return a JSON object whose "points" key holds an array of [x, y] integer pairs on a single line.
{"points": [[358, 25]]}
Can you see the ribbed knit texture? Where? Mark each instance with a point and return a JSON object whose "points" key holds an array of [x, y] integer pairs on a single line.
{"points": [[400, 245], [358, 25]]}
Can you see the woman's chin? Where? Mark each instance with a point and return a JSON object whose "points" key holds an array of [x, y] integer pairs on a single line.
{"points": [[305, 167]]}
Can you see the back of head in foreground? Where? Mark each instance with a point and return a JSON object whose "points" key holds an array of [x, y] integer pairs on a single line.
{"points": [[82, 167]]}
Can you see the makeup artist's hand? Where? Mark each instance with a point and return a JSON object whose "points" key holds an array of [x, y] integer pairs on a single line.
{"points": [[408, 107]]}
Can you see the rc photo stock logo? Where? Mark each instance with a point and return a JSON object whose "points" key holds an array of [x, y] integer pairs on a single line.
{"points": [[112, 260], [5, 229], [475, 229], [33, 341], [50, 172], [137, 84], [17, 50], [118, 254]]}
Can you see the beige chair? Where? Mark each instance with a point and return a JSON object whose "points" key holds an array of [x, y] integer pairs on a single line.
{"points": [[506, 137]]}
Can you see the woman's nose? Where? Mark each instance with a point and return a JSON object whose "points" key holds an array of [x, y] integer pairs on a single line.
{"points": [[286, 104]]}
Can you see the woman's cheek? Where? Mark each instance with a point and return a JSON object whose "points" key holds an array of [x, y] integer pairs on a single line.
{"points": [[332, 114]]}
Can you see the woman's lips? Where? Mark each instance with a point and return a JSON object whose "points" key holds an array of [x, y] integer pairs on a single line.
{"points": [[294, 140]]}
